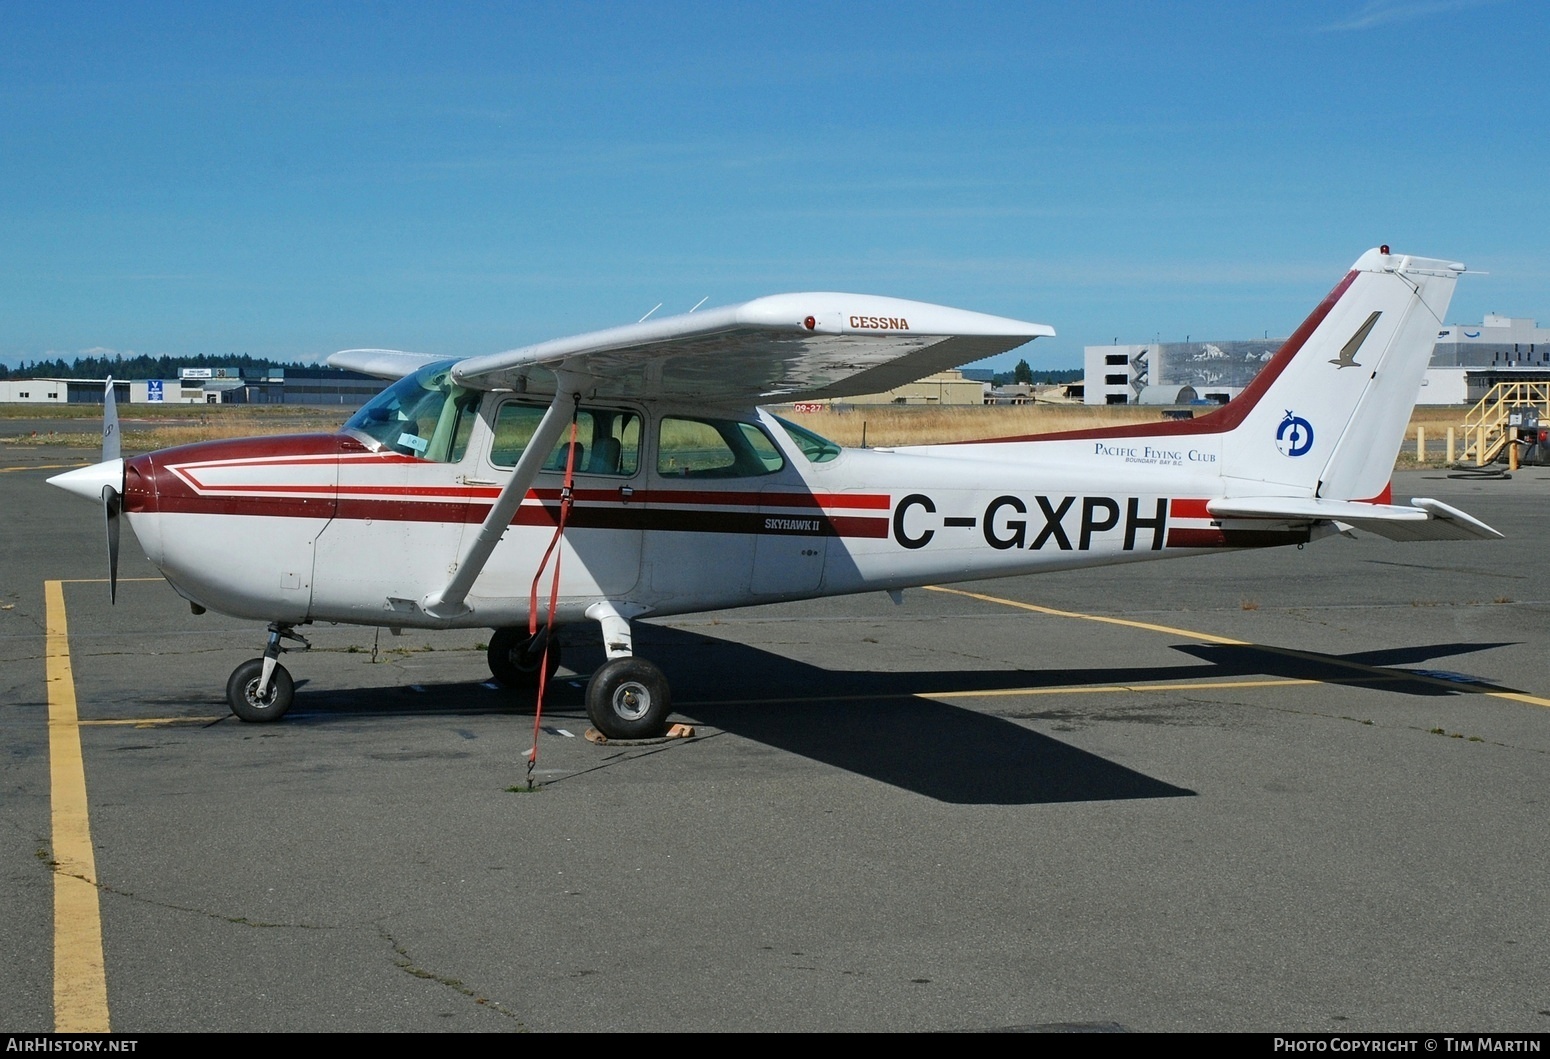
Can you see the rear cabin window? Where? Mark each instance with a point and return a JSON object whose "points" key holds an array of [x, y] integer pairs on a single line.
{"points": [[715, 448], [607, 440]]}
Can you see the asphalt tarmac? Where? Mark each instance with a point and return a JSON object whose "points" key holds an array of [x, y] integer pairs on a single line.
{"points": [[1290, 790]]}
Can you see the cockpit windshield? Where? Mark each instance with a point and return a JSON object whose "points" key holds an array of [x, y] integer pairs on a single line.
{"points": [[425, 415]]}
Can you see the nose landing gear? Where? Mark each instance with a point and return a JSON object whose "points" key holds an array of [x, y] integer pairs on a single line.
{"points": [[628, 697], [260, 689]]}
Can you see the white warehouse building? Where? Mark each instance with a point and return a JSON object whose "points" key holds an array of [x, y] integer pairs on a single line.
{"points": [[1173, 373], [1466, 361]]}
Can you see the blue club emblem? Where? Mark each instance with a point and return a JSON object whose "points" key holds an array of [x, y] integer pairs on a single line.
{"points": [[1294, 437]]}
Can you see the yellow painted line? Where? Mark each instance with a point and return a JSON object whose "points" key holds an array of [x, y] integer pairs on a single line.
{"points": [[80, 980], [1056, 689], [1419, 678], [1170, 630], [1286, 652], [43, 467], [103, 580], [1083, 689], [1518, 696]]}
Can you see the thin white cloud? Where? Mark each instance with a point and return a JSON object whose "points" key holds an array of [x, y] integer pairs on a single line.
{"points": [[1376, 13]]}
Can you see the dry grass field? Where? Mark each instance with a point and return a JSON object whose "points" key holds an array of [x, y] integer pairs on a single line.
{"points": [[873, 425], [145, 429], [884, 425]]}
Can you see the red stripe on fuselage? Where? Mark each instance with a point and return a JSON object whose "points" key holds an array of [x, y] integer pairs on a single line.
{"points": [[825, 501], [618, 516], [1188, 508], [698, 498], [1181, 508], [172, 482], [180, 480]]}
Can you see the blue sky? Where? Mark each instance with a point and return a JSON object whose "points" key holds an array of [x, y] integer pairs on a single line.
{"points": [[461, 178]]}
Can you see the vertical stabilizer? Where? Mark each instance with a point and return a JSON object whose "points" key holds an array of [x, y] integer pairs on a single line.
{"points": [[1327, 415]]}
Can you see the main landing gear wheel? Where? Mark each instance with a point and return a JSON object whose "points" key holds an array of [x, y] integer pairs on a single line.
{"points": [[242, 692], [628, 699], [515, 657]]}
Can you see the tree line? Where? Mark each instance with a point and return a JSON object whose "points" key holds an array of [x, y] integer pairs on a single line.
{"points": [[140, 366], [1024, 374]]}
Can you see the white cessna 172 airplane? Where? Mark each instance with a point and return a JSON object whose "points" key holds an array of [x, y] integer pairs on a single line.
{"points": [[437, 505]]}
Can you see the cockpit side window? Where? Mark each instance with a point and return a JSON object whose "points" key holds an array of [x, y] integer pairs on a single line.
{"points": [[817, 449], [607, 440], [715, 448]]}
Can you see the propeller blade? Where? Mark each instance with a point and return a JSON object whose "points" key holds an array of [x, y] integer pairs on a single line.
{"points": [[112, 504], [110, 440]]}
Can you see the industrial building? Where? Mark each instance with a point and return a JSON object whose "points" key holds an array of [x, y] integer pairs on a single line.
{"points": [[1467, 361], [1173, 373], [307, 386], [943, 388]]}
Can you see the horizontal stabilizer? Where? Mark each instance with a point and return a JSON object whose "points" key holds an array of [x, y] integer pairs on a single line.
{"points": [[1464, 526], [1424, 520]]}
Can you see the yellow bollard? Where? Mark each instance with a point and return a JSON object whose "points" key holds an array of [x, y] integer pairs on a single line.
{"points": [[1450, 446], [1512, 450], [1420, 444]]}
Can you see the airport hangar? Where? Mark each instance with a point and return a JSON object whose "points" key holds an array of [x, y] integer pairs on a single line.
{"points": [[330, 386], [293, 385]]}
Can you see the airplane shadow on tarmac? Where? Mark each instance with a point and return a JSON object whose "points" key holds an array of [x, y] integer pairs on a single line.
{"points": [[1356, 669], [877, 724]]}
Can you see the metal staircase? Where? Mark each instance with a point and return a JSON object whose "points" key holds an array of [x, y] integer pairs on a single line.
{"points": [[1486, 429]]}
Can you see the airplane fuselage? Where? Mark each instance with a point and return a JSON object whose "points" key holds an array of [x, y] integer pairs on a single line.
{"points": [[327, 528]]}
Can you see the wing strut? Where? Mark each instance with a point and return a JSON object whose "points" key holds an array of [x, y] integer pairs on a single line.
{"points": [[448, 601]]}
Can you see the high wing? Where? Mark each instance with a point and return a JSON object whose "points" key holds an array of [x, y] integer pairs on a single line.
{"points": [[1425, 520], [785, 347]]}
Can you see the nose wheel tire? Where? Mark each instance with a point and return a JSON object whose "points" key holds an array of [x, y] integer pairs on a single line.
{"points": [[628, 699], [244, 699], [514, 662]]}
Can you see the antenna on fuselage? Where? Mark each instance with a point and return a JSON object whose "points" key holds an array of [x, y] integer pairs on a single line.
{"points": [[701, 302], [654, 308]]}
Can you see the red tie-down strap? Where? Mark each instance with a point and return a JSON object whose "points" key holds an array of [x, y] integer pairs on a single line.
{"points": [[566, 499]]}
